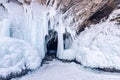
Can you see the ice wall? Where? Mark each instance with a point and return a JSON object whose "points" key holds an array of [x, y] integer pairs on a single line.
{"points": [[5, 27], [31, 22], [39, 19], [98, 45], [25, 22], [4, 22], [35, 27], [56, 21]]}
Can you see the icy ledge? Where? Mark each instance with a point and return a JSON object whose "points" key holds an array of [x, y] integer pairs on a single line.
{"points": [[17, 55]]}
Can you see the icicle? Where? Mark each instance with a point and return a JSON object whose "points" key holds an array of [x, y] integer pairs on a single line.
{"points": [[5, 27], [61, 30], [36, 26], [28, 22]]}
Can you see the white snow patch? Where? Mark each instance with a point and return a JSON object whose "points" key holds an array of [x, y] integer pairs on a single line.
{"points": [[68, 54], [99, 45], [17, 55], [57, 70]]}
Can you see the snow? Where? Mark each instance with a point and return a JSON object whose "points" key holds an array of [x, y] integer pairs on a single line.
{"points": [[56, 70], [68, 54], [17, 55], [99, 45]]}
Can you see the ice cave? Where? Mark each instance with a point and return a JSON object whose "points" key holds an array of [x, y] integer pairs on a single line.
{"points": [[86, 32]]}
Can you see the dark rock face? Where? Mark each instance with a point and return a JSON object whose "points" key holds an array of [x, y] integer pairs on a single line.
{"points": [[100, 14], [104, 12], [113, 70]]}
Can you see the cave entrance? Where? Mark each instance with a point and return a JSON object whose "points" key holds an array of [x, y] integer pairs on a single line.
{"points": [[51, 41]]}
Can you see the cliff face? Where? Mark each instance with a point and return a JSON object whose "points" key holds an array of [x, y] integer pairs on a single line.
{"points": [[77, 14], [81, 13]]}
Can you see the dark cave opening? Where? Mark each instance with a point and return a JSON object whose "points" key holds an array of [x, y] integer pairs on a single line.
{"points": [[51, 41]]}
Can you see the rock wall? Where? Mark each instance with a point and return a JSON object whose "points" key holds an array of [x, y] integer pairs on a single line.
{"points": [[81, 13], [77, 14]]}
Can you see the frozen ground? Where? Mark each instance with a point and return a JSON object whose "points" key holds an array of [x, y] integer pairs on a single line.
{"points": [[57, 70]]}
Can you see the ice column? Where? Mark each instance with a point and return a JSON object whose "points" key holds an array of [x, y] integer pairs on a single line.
{"points": [[35, 27], [60, 30], [5, 27]]}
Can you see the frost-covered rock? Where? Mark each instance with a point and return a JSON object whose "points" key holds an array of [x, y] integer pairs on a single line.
{"points": [[99, 45], [17, 55]]}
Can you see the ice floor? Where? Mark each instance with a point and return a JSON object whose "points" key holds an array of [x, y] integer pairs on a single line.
{"points": [[56, 70]]}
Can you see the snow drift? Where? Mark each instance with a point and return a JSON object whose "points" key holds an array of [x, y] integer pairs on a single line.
{"points": [[99, 45], [17, 55]]}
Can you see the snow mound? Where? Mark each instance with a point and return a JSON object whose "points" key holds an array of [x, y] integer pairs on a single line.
{"points": [[68, 54], [17, 55], [99, 45]]}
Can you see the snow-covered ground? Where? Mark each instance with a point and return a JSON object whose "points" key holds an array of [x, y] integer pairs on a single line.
{"points": [[57, 70]]}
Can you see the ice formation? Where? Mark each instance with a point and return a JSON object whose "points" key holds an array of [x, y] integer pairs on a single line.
{"points": [[4, 25], [17, 55], [30, 23], [35, 26], [98, 45]]}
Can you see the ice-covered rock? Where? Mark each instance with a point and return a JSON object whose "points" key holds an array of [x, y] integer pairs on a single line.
{"points": [[17, 55], [98, 46]]}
